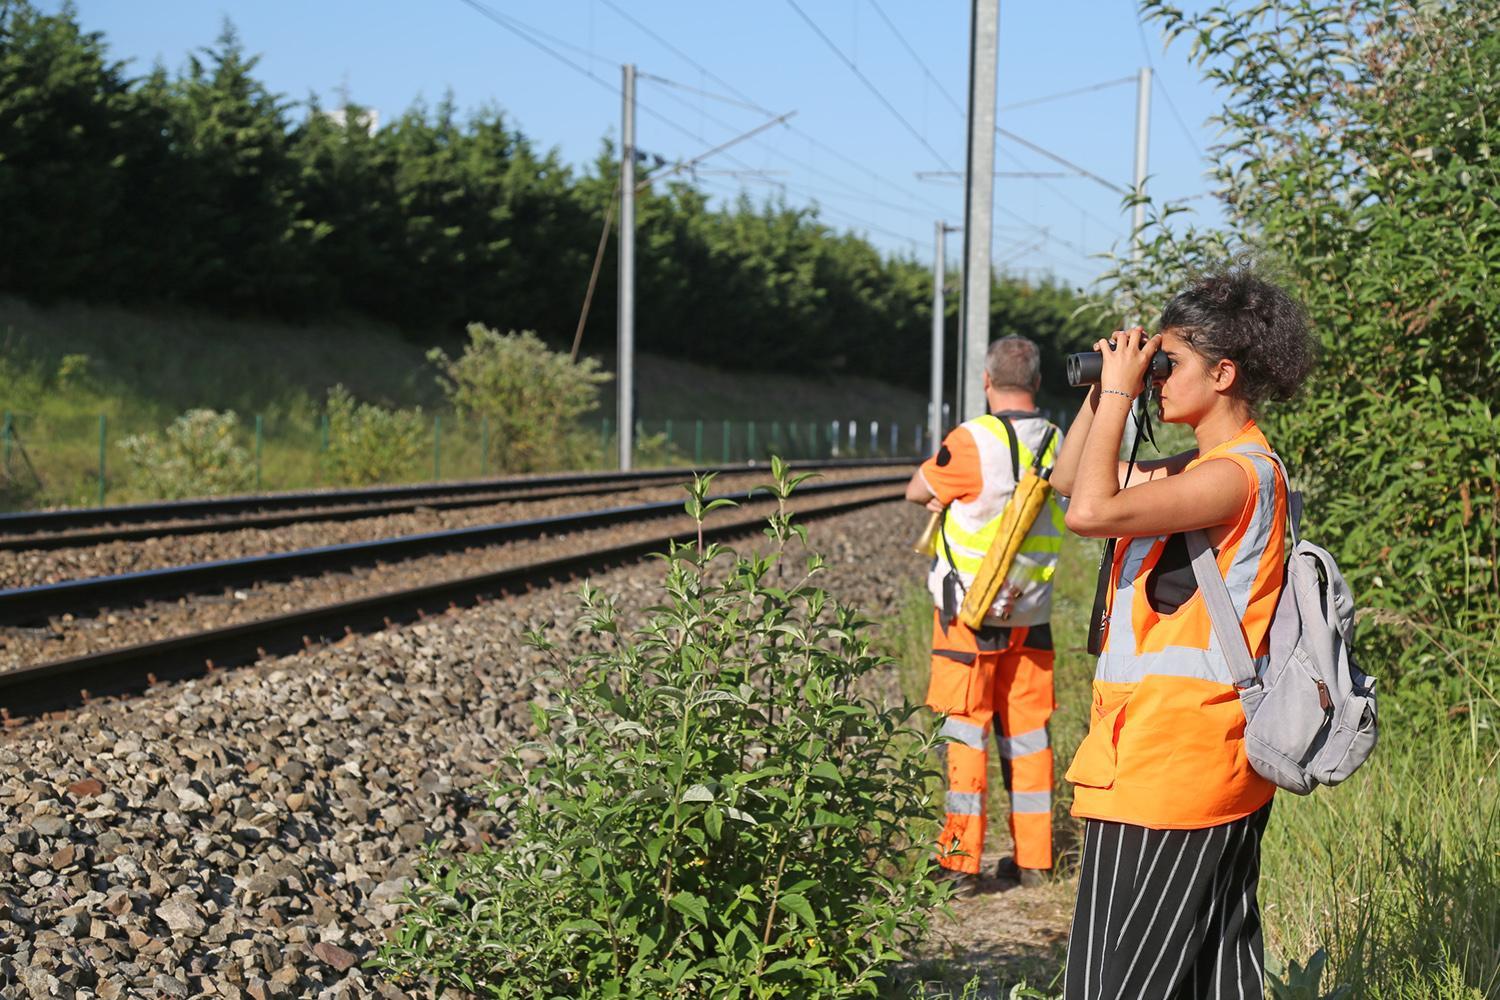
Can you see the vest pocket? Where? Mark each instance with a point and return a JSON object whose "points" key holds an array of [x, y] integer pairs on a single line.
{"points": [[954, 687], [1094, 764]]}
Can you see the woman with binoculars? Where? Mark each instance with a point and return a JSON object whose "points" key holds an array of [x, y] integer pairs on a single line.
{"points": [[1174, 812]]}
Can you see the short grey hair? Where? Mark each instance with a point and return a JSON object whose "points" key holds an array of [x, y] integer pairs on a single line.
{"points": [[1014, 363]]}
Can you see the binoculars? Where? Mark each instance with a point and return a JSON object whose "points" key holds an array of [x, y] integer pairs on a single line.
{"points": [[1085, 368]]}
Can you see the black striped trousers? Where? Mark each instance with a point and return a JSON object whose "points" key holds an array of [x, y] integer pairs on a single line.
{"points": [[1168, 914]]}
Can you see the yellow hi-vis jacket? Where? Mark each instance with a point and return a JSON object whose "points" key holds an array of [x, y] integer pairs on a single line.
{"points": [[974, 475]]}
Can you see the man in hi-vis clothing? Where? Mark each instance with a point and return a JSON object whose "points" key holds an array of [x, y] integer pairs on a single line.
{"points": [[1001, 674]]}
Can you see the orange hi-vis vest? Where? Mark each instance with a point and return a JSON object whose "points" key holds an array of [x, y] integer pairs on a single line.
{"points": [[1166, 741]]}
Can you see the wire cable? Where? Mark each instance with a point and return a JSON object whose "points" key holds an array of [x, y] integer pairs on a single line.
{"points": [[1140, 28], [1066, 93], [809, 137], [870, 86], [913, 53], [532, 35], [832, 178], [641, 75]]}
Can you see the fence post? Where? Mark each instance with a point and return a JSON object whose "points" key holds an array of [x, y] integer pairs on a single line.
{"points": [[437, 446], [775, 436], [698, 442], [895, 437], [484, 445], [750, 440], [833, 440], [103, 433], [724, 451], [259, 435]]}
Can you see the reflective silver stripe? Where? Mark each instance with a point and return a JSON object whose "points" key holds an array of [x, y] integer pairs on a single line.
{"points": [[1023, 743], [963, 803], [966, 733], [1174, 661], [1029, 802], [1240, 576]]}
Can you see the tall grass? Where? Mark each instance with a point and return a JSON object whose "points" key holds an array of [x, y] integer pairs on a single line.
{"points": [[1396, 873]]}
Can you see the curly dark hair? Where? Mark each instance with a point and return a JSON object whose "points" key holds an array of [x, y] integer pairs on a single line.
{"points": [[1235, 314]]}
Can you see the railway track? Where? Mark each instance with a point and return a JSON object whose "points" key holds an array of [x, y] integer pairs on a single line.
{"points": [[76, 527], [41, 687]]}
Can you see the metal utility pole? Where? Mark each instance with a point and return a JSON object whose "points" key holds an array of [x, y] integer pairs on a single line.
{"points": [[984, 29], [626, 346], [1138, 211], [1142, 142], [935, 413]]}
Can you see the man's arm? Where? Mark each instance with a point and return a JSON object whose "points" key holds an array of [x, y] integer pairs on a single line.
{"points": [[917, 491]]}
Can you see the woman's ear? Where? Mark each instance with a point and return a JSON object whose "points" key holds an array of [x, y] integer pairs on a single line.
{"points": [[1225, 374]]}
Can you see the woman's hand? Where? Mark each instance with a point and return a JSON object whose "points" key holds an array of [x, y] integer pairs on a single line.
{"points": [[1125, 367]]}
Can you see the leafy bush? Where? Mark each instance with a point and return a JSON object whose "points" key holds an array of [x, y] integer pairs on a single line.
{"points": [[197, 455], [716, 811], [370, 444], [73, 371], [532, 396], [1357, 158]]}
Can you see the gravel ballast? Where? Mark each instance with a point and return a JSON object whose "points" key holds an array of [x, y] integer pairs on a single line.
{"points": [[249, 833]]}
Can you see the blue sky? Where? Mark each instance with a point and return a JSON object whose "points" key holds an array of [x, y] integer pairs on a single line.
{"points": [[845, 150]]}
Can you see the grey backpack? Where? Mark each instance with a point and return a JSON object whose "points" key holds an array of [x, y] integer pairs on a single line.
{"points": [[1309, 711]]}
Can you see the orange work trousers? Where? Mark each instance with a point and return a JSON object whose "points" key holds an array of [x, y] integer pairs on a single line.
{"points": [[1000, 676]]}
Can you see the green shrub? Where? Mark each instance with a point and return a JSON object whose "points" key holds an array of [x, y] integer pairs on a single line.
{"points": [[370, 444], [197, 455], [717, 810], [532, 397], [73, 371]]}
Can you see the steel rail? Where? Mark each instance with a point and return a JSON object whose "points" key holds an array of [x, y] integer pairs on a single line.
{"points": [[23, 522], [54, 540], [62, 684], [23, 605]]}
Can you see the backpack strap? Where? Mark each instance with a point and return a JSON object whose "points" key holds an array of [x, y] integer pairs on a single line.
{"points": [[1226, 622], [1015, 449]]}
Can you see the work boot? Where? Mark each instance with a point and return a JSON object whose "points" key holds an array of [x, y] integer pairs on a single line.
{"points": [[965, 886], [1010, 874]]}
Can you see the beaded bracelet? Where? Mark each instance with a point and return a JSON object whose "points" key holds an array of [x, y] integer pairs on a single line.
{"points": [[1117, 392]]}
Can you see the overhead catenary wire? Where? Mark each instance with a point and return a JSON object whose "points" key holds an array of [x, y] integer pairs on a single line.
{"points": [[795, 130], [863, 195], [1140, 28], [819, 208], [1056, 158], [869, 84], [641, 75], [958, 108], [1067, 93], [533, 36]]}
